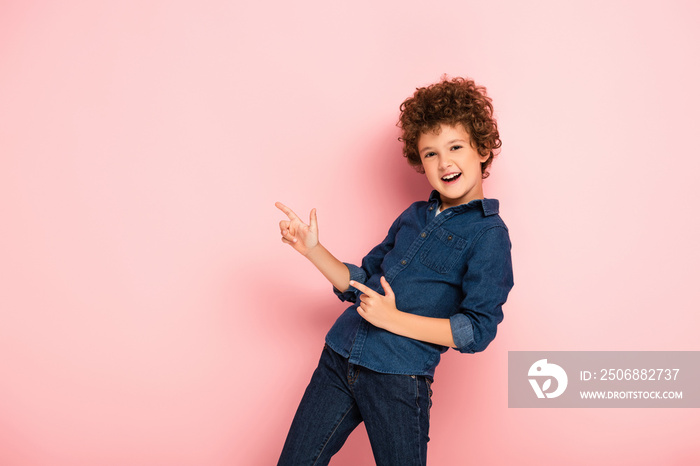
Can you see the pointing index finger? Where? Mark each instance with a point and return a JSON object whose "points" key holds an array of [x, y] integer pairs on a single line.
{"points": [[362, 287], [290, 213]]}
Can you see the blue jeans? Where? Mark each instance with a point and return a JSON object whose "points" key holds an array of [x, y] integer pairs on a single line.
{"points": [[394, 408]]}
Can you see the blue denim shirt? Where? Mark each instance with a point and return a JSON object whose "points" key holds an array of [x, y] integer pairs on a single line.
{"points": [[456, 265]]}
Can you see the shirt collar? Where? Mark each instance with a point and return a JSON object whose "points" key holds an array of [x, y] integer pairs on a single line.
{"points": [[488, 206]]}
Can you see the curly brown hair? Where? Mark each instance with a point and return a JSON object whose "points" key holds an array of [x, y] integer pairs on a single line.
{"points": [[450, 102]]}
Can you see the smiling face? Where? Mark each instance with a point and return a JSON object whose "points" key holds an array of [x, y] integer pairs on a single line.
{"points": [[452, 165]]}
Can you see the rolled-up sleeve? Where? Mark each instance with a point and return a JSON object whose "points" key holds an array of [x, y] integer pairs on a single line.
{"points": [[486, 285], [351, 294]]}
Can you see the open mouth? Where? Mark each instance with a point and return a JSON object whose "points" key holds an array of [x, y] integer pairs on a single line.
{"points": [[451, 177]]}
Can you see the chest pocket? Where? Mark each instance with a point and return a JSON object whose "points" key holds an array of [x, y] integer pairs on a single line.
{"points": [[442, 250]]}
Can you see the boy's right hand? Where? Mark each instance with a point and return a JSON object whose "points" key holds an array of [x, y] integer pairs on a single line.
{"points": [[302, 237]]}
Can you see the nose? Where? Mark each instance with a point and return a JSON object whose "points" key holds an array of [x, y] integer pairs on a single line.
{"points": [[445, 161]]}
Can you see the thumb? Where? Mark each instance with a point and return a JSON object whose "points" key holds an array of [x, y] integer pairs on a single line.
{"points": [[388, 292], [313, 220]]}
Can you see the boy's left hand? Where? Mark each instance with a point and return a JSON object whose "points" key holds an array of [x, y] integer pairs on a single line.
{"points": [[376, 309]]}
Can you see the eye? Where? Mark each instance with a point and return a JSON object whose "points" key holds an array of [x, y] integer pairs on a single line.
{"points": [[428, 154], [456, 147]]}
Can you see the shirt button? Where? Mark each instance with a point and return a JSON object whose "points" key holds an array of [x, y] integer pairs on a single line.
{"points": [[403, 262], [431, 207], [423, 235], [449, 237]]}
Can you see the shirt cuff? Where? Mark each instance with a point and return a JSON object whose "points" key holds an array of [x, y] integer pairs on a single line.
{"points": [[357, 274], [462, 332]]}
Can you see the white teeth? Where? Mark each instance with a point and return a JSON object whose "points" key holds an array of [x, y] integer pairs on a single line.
{"points": [[450, 177]]}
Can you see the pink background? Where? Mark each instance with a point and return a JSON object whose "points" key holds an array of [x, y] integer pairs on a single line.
{"points": [[149, 314]]}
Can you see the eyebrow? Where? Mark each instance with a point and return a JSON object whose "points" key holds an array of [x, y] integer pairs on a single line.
{"points": [[449, 143]]}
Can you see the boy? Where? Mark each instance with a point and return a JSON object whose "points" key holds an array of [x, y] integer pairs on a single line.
{"points": [[438, 280]]}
